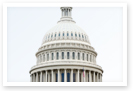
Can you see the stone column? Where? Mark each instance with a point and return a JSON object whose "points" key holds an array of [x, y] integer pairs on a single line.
{"points": [[61, 12], [65, 55], [76, 55], [71, 55], [90, 76], [89, 57], [45, 57], [101, 77], [93, 76], [59, 55], [54, 55], [81, 56], [58, 75], [42, 57], [78, 76], [85, 55], [65, 75], [71, 75], [46, 75], [31, 78], [92, 58], [41, 76], [52, 75], [50, 56], [36, 76], [97, 77], [84, 75]]}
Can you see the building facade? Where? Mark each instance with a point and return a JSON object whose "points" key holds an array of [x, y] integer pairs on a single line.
{"points": [[66, 54]]}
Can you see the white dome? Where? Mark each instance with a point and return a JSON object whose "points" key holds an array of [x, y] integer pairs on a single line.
{"points": [[65, 29]]}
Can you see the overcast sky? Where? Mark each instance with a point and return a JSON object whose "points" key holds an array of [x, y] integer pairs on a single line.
{"points": [[27, 26]]}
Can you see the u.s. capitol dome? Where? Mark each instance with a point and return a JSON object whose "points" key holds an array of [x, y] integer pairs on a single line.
{"points": [[66, 54]]}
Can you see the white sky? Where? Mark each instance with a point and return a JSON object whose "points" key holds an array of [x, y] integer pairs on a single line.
{"points": [[27, 26]]}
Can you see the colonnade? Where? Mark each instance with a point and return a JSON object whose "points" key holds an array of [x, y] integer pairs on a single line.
{"points": [[66, 75], [65, 55], [66, 12]]}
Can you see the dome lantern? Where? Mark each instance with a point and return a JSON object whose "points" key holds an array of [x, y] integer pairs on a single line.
{"points": [[66, 13]]}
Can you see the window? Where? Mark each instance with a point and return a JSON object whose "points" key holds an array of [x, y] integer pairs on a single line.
{"points": [[71, 34], [82, 36], [57, 56], [51, 36], [55, 35], [62, 55], [78, 56], [46, 37], [87, 57], [52, 56], [63, 34], [73, 55], [75, 35], [47, 57], [83, 56], [67, 34], [59, 34], [67, 55]]}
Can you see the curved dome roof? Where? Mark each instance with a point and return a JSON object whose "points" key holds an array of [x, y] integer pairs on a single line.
{"points": [[66, 29]]}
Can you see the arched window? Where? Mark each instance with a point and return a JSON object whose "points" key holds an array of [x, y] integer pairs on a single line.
{"points": [[52, 56], [57, 56], [71, 34], [67, 55], [83, 56], [51, 36], [79, 35], [78, 56], [63, 34], [59, 34], [75, 35], [67, 34], [87, 57], [47, 57], [62, 55], [82, 36], [55, 35], [73, 55]]}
